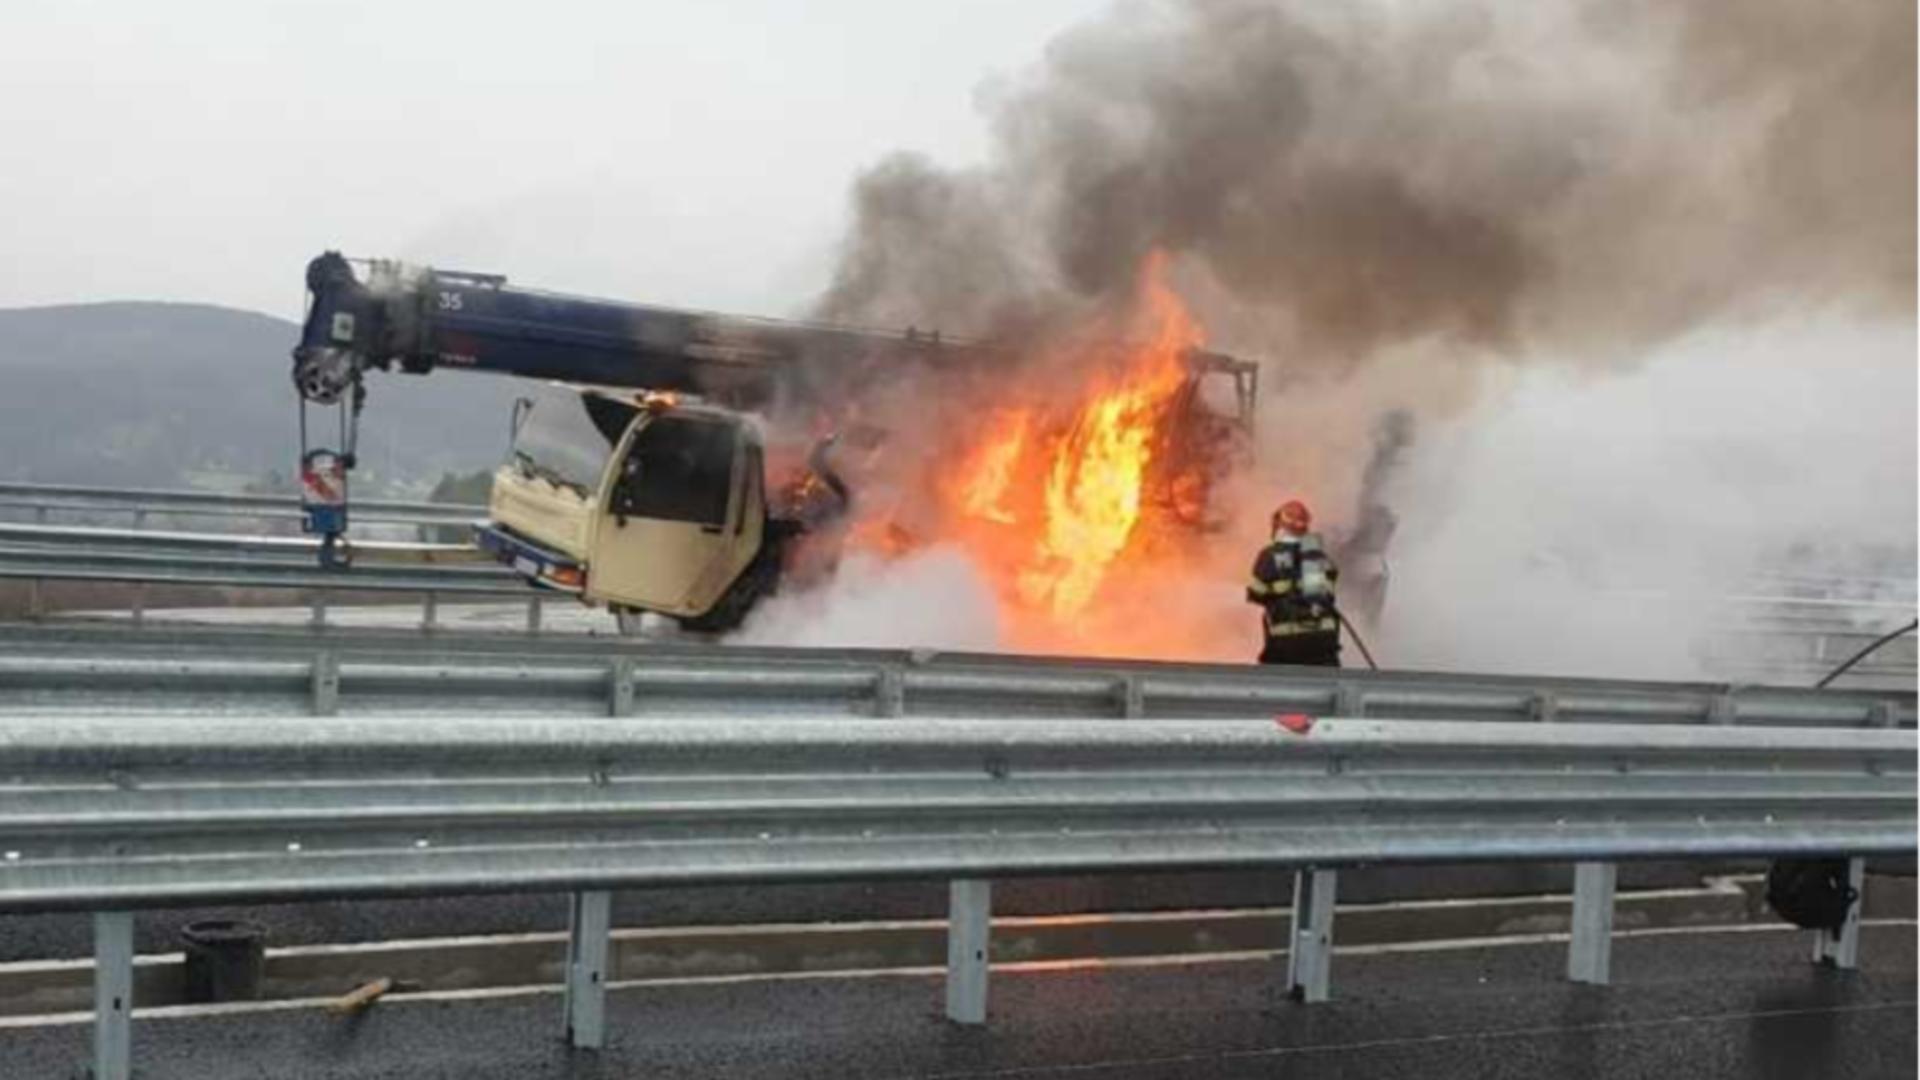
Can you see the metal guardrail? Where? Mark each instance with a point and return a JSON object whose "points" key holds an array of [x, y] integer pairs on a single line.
{"points": [[1780, 639], [1804, 652], [37, 553], [163, 547], [42, 500], [85, 670], [110, 813], [218, 810], [143, 502], [213, 570], [1782, 612]]}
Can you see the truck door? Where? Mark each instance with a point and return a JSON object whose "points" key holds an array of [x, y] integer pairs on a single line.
{"points": [[669, 536]]}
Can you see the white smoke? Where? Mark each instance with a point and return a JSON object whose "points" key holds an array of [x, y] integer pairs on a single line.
{"points": [[929, 599], [1554, 518], [1590, 522]]}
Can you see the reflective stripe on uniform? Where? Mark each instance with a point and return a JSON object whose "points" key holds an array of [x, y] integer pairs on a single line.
{"points": [[1304, 626]]}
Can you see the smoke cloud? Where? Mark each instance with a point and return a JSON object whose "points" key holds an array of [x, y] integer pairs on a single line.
{"points": [[1597, 257], [1339, 178], [931, 599], [1598, 523]]}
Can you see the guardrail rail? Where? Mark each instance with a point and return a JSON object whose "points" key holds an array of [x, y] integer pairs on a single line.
{"points": [[41, 501], [93, 669], [1794, 637]]}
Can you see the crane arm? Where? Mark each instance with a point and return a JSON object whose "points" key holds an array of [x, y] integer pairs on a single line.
{"points": [[419, 319]]}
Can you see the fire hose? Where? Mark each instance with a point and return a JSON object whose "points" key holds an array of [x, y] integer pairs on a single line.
{"points": [[1864, 653], [1354, 633]]}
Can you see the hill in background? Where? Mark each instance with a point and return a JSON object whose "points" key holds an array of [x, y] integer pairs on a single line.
{"points": [[167, 395]]}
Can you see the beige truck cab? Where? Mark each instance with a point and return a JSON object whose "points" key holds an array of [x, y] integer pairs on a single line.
{"points": [[638, 502]]}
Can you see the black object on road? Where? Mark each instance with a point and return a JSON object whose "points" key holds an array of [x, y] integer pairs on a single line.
{"points": [[225, 959]]}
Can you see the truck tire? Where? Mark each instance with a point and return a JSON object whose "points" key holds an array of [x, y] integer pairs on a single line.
{"points": [[755, 582]]}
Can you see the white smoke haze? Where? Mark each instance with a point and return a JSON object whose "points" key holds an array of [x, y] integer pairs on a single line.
{"points": [[1590, 523], [1640, 274], [929, 599]]}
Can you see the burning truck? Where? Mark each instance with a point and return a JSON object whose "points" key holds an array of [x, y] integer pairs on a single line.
{"points": [[686, 464]]}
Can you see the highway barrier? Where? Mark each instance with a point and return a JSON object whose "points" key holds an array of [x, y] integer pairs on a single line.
{"points": [[43, 501], [144, 557], [1789, 638], [109, 813], [84, 670]]}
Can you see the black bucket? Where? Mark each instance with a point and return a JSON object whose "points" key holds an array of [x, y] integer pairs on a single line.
{"points": [[225, 959]]}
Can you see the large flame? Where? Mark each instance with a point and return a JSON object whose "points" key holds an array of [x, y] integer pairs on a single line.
{"points": [[1065, 492], [1075, 479]]}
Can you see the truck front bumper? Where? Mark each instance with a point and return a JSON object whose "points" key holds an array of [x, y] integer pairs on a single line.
{"points": [[539, 565]]}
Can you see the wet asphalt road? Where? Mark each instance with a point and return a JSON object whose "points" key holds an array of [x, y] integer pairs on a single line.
{"points": [[1682, 1007]]}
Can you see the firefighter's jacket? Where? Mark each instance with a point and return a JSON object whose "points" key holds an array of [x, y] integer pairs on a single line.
{"points": [[1293, 581]]}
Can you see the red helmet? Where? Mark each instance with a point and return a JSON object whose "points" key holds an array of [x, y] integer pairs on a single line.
{"points": [[1292, 516]]}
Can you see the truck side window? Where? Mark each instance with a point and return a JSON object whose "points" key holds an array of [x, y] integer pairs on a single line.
{"points": [[678, 470]]}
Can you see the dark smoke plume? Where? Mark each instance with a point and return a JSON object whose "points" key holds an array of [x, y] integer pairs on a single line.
{"points": [[1337, 178]]}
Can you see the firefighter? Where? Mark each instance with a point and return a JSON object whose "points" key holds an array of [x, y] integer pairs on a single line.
{"points": [[1293, 583]]}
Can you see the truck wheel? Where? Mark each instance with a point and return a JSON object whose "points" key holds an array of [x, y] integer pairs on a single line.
{"points": [[756, 581]]}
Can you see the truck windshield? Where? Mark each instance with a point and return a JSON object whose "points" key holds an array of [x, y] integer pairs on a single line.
{"points": [[567, 437], [680, 469]]}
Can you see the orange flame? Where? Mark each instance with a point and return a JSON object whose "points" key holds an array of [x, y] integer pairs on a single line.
{"points": [[1086, 480], [1076, 480], [989, 471]]}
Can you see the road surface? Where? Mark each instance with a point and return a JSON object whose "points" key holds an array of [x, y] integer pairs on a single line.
{"points": [[1690, 1005]]}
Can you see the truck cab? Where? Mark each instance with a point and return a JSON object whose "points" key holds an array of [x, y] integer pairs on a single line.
{"points": [[636, 501]]}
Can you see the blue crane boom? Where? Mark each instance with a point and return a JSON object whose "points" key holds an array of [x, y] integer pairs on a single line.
{"points": [[420, 319]]}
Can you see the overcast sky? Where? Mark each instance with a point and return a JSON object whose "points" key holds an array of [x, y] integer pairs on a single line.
{"points": [[695, 153]]}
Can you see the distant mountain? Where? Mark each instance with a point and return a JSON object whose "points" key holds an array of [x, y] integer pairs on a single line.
{"points": [[154, 394]]}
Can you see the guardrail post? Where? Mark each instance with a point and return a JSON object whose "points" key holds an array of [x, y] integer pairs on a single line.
{"points": [[326, 684], [112, 995], [1131, 697], [1723, 709], [1546, 706], [589, 924], [318, 602], [533, 614], [889, 693], [36, 607], [429, 611], [1349, 701], [1310, 950], [1841, 948], [1590, 952], [139, 606], [969, 935], [620, 686]]}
